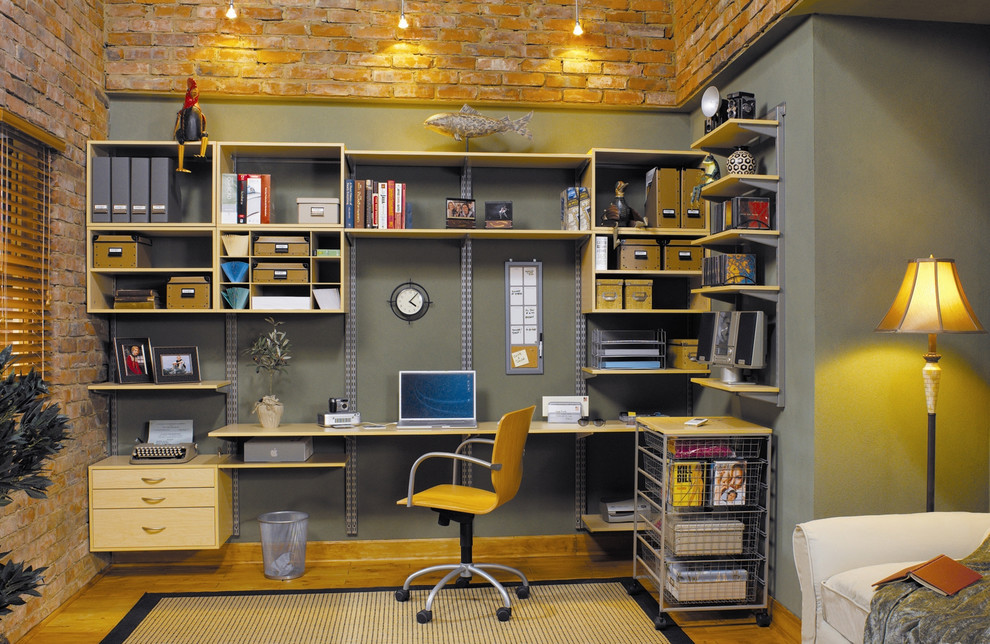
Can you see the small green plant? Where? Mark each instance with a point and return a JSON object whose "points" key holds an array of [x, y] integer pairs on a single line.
{"points": [[270, 353], [30, 434]]}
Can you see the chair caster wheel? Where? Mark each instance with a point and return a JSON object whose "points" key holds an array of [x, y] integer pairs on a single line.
{"points": [[522, 592], [462, 582], [401, 595], [503, 614], [424, 616]]}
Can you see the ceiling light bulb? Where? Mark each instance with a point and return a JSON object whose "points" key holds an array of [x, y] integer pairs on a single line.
{"points": [[577, 28], [403, 23], [231, 12]]}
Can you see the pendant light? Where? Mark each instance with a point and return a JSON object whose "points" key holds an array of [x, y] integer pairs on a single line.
{"points": [[231, 12], [577, 21], [403, 23]]}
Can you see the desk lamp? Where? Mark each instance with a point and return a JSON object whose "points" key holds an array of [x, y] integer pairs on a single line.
{"points": [[931, 300]]}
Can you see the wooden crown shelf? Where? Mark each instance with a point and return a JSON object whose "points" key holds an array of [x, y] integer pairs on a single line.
{"points": [[205, 385]]}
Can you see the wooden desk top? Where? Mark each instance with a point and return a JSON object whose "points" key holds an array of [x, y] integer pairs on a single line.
{"points": [[249, 430]]}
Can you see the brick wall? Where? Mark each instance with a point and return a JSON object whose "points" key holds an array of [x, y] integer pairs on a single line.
{"points": [[52, 76], [709, 34], [634, 53]]}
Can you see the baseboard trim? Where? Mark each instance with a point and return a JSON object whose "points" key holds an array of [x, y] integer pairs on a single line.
{"points": [[579, 545]]}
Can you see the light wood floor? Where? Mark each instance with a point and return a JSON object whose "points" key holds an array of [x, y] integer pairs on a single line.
{"points": [[92, 613]]}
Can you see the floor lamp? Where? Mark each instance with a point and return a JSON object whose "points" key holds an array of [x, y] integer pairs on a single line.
{"points": [[931, 300]]}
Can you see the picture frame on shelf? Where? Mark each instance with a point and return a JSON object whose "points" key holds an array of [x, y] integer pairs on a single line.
{"points": [[133, 359], [460, 213], [176, 364], [498, 214]]}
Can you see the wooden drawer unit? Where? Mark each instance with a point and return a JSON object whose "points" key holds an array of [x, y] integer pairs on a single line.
{"points": [[174, 507]]}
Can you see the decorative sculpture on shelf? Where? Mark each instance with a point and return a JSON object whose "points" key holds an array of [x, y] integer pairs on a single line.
{"points": [[618, 213], [469, 123], [712, 173], [190, 124]]}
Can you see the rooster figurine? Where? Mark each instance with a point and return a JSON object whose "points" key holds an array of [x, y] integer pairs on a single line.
{"points": [[190, 124], [618, 213]]}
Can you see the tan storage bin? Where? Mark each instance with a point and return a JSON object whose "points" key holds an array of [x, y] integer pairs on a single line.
{"points": [[705, 538], [274, 246], [319, 210], [638, 294], [680, 354], [682, 256], [297, 272], [121, 251], [639, 254], [608, 294], [187, 293]]}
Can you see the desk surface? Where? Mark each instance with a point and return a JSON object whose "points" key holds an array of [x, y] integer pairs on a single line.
{"points": [[248, 430]]}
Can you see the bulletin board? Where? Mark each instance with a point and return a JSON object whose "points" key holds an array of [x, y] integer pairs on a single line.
{"points": [[523, 317]]}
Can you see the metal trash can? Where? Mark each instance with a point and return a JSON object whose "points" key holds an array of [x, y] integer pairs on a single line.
{"points": [[283, 543]]}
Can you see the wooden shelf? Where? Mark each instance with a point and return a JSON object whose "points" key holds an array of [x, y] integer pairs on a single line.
{"points": [[737, 185], [205, 385], [467, 233], [314, 461], [736, 388], [595, 523], [736, 236], [718, 292], [644, 311], [735, 133], [590, 373]]}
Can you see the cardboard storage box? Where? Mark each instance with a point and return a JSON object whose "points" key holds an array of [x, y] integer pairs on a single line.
{"points": [[638, 294], [294, 449], [121, 251], [663, 198], [293, 272], [191, 292], [705, 538], [319, 210], [687, 585], [608, 294], [682, 256], [639, 254], [680, 354], [294, 246], [694, 214]]}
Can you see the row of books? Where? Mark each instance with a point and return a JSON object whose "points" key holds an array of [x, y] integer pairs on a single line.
{"points": [[245, 198], [376, 204], [575, 208]]}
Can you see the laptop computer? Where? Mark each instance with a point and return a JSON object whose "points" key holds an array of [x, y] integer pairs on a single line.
{"points": [[437, 399]]}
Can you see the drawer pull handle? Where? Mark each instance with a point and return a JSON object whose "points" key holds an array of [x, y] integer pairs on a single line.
{"points": [[153, 530], [152, 481], [152, 500]]}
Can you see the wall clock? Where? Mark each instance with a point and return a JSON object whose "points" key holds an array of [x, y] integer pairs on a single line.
{"points": [[409, 301]]}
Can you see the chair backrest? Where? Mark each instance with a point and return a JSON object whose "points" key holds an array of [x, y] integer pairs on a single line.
{"points": [[510, 440]]}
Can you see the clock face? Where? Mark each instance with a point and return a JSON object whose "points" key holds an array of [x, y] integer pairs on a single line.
{"points": [[409, 301]]}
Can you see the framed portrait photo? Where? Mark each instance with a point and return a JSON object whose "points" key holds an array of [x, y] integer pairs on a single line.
{"points": [[460, 213], [176, 364], [133, 359]]}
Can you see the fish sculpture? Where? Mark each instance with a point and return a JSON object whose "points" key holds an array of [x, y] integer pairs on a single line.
{"points": [[469, 124]]}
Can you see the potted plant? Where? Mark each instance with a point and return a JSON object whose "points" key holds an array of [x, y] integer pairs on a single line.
{"points": [[270, 353], [30, 434]]}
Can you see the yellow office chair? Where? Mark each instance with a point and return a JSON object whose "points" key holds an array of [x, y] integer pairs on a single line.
{"points": [[461, 503]]}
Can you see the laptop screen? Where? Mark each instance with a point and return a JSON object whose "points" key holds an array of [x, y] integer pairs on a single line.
{"points": [[437, 399]]}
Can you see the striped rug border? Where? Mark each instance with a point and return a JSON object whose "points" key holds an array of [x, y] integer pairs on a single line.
{"points": [[143, 607]]}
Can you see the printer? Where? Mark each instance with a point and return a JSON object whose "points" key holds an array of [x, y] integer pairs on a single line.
{"points": [[621, 510]]}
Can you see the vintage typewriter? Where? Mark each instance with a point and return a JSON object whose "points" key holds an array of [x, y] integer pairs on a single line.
{"points": [[152, 454]]}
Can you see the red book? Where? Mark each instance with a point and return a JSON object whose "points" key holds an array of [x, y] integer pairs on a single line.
{"points": [[943, 575]]}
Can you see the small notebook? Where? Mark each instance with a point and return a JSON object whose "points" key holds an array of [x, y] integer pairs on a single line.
{"points": [[942, 574]]}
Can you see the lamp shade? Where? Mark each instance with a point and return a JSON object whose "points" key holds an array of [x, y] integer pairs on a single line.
{"points": [[931, 300]]}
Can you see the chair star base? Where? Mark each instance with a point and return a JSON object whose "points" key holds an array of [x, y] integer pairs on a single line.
{"points": [[464, 571]]}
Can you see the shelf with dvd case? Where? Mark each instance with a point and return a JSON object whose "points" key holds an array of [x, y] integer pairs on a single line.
{"points": [[747, 220], [702, 525]]}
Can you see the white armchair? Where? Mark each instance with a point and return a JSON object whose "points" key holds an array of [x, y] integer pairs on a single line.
{"points": [[839, 558]]}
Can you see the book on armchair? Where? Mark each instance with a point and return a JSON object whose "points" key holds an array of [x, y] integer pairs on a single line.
{"points": [[942, 574]]}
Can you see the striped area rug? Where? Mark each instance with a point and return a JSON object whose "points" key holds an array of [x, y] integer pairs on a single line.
{"points": [[592, 612]]}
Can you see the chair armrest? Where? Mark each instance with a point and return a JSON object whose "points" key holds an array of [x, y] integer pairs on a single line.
{"points": [[468, 442], [824, 547], [449, 455]]}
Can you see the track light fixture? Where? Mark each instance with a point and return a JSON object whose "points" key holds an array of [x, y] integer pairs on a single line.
{"points": [[231, 12], [577, 20], [403, 23]]}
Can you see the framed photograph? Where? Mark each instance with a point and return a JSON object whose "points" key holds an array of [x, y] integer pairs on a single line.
{"points": [[460, 213], [133, 359], [498, 214], [176, 364]]}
